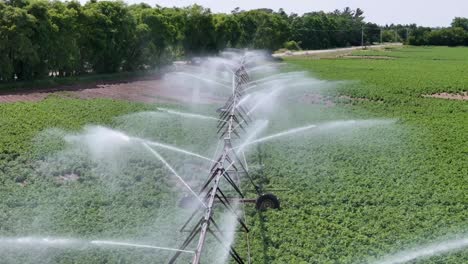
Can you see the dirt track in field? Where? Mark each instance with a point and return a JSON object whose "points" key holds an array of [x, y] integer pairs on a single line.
{"points": [[452, 96], [147, 91]]}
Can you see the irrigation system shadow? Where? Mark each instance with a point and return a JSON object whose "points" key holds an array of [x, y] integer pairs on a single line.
{"points": [[262, 180], [266, 240]]}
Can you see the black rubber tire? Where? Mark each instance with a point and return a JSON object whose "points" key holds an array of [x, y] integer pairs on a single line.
{"points": [[267, 201]]}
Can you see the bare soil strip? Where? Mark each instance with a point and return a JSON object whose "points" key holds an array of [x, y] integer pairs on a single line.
{"points": [[451, 96], [331, 51], [147, 91], [368, 57]]}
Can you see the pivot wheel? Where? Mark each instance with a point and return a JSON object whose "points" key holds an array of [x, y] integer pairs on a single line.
{"points": [[267, 201]]}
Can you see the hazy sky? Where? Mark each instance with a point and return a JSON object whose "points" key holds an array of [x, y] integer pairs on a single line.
{"points": [[421, 12]]}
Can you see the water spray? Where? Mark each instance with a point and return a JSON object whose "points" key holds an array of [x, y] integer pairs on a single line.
{"points": [[125, 244], [228, 164], [157, 155], [232, 121], [425, 251], [198, 116]]}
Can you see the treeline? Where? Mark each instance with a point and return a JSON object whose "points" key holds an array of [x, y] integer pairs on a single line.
{"points": [[456, 35], [40, 38]]}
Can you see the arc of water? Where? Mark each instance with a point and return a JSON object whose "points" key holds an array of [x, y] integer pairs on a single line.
{"points": [[169, 147], [280, 76], [230, 165], [252, 135], [243, 100], [39, 241], [280, 134], [165, 146], [426, 251], [261, 67], [264, 85], [260, 102], [227, 68], [65, 242], [264, 99], [203, 79], [223, 61], [116, 243], [156, 154], [233, 84], [199, 116], [248, 113], [245, 161], [216, 152]]}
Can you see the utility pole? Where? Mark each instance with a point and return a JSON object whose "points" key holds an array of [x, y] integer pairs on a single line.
{"points": [[407, 35], [362, 37], [380, 35]]}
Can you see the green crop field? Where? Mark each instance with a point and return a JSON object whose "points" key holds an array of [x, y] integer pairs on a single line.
{"points": [[350, 195], [353, 198]]}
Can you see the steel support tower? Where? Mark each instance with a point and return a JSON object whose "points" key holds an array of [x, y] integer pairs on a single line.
{"points": [[233, 121]]}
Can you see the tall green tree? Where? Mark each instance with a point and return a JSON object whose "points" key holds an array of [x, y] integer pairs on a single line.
{"points": [[64, 58], [448, 37], [152, 37], [17, 50], [263, 29], [227, 31], [199, 31], [108, 29], [42, 30], [39, 38], [461, 22]]}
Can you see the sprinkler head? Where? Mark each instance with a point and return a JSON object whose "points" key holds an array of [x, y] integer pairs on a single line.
{"points": [[227, 143]]}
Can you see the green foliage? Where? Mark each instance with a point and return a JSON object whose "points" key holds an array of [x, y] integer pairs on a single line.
{"points": [[351, 197], [133, 198], [109, 28], [456, 35], [320, 30], [461, 22], [448, 37], [228, 31], [70, 80], [25, 120], [411, 65], [17, 46], [292, 45], [154, 34], [42, 39], [418, 36], [388, 36], [261, 28], [356, 195]]}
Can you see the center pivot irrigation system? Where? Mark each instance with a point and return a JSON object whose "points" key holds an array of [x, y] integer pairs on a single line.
{"points": [[233, 119]]}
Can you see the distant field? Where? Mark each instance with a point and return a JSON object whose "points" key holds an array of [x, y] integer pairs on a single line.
{"points": [[356, 197], [351, 196]]}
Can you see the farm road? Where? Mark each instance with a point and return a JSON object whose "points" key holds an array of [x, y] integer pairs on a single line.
{"points": [[332, 51], [147, 91]]}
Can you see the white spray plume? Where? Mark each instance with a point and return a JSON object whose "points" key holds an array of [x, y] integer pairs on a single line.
{"points": [[127, 244], [101, 141], [158, 156], [258, 128], [321, 127], [32, 242], [425, 251], [189, 115], [55, 242]]}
